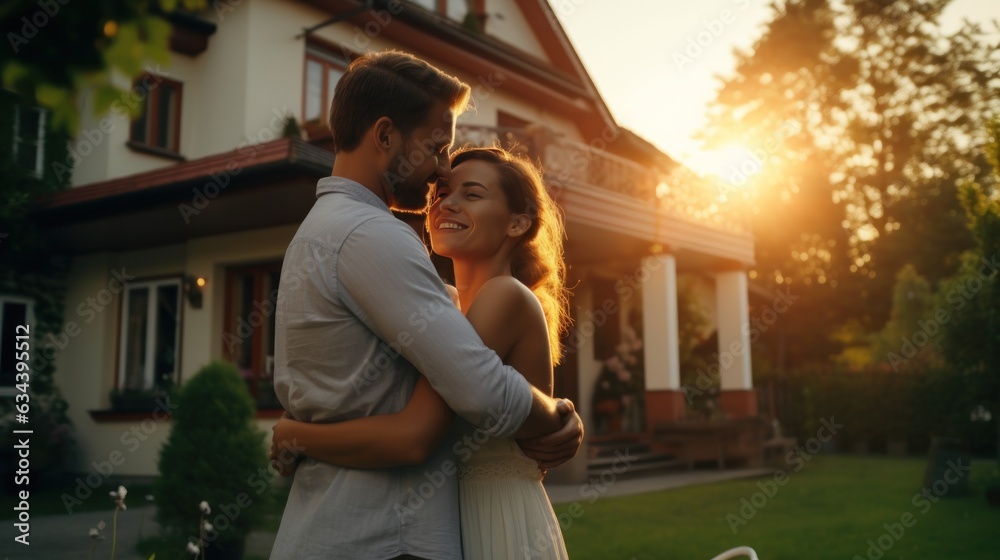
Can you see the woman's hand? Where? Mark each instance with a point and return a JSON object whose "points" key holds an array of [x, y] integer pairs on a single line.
{"points": [[283, 455], [555, 449]]}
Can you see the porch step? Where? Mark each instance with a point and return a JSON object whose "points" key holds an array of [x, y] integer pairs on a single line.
{"points": [[627, 455], [637, 463]]}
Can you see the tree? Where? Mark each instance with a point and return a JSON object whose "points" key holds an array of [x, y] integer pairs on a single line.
{"points": [[775, 103], [861, 115], [971, 337], [57, 50], [909, 338], [913, 134]]}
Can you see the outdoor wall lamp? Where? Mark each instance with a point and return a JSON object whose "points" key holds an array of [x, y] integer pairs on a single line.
{"points": [[193, 287]]}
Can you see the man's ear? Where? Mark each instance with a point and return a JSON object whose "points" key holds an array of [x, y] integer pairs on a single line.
{"points": [[519, 224], [384, 134]]}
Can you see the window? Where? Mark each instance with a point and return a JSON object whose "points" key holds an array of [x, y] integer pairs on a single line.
{"points": [[149, 348], [248, 340], [323, 71], [14, 311], [29, 139], [452, 9], [159, 123]]}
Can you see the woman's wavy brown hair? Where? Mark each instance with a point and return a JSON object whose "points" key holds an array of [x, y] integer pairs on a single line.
{"points": [[537, 260]]}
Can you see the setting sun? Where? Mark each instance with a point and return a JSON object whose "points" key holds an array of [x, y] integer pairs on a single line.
{"points": [[734, 164]]}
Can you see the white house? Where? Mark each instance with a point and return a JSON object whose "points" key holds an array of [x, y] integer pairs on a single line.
{"points": [[178, 220]]}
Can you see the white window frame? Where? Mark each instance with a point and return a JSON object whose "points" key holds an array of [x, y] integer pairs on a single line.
{"points": [[455, 10], [7, 345], [153, 285], [332, 59], [18, 141]]}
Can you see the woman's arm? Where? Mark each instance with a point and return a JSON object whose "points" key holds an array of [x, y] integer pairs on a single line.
{"points": [[381, 441]]}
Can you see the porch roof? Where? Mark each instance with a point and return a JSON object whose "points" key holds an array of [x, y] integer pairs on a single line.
{"points": [[252, 187]]}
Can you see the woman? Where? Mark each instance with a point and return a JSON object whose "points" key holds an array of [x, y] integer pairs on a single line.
{"points": [[501, 229]]}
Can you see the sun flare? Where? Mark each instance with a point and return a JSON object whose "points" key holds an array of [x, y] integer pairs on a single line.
{"points": [[734, 164]]}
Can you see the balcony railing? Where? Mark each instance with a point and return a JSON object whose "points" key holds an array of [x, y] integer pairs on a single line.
{"points": [[680, 192]]}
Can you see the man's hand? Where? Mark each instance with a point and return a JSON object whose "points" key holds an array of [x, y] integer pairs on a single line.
{"points": [[556, 448], [283, 458]]}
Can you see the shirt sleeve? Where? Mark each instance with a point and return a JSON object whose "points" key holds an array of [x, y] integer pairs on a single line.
{"points": [[383, 274]]}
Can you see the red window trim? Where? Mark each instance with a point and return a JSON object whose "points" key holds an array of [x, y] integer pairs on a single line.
{"points": [[151, 132], [324, 94]]}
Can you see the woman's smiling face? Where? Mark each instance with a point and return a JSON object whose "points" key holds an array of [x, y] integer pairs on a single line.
{"points": [[469, 216]]}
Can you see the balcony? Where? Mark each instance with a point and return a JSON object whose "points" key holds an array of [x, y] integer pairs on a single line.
{"points": [[679, 193]]}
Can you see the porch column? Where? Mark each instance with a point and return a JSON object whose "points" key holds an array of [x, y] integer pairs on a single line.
{"points": [[737, 398], [664, 399]]}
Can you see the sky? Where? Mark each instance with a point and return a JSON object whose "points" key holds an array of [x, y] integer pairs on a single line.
{"points": [[684, 45]]}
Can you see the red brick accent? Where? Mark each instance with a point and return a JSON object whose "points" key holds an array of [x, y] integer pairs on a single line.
{"points": [[663, 407], [738, 403]]}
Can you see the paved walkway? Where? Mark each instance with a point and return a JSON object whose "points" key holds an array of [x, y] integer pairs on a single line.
{"points": [[65, 537]]}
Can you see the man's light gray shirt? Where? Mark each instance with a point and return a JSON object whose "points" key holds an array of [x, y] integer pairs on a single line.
{"points": [[360, 310]]}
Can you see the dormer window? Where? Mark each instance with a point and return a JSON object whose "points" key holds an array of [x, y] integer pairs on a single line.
{"points": [[158, 126], [452, 9], [323, 71]]}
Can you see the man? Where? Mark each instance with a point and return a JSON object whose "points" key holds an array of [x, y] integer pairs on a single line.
{"points": [[361, 313]]}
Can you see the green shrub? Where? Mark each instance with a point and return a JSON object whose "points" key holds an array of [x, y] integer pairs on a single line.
{"points": [[214, 454], [878, 406]]}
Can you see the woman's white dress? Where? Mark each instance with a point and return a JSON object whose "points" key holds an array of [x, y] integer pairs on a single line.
{"points": [[505, 511]]}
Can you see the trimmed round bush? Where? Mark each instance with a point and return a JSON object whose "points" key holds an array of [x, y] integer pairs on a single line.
{"points": [[214, 453]]}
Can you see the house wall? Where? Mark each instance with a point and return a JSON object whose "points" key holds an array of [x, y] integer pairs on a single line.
{"points": [[86, 366], [506, 22], [87, 363], [209, 257], [213, 91], [239, 90]]}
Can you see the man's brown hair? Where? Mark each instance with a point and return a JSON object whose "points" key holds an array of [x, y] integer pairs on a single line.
{"points": [[393, 84]]}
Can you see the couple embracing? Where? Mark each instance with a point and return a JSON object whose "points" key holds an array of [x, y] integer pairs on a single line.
{"points": [[423, 412]]}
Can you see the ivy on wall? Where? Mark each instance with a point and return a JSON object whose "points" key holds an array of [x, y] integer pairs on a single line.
{"points": [[30, 268]]}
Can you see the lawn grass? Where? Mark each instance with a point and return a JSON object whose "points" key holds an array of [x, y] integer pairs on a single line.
{"points": [[831, 508]]}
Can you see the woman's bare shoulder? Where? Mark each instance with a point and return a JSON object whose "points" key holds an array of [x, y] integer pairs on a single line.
{"points": [[508, 293]]}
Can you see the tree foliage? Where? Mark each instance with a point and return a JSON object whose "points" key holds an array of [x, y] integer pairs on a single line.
{"points": [[58, 50], [971, 339], [865, 117], [910, 338]]}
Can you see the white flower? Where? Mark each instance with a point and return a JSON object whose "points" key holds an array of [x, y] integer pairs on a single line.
{"points": [[122, 491], [94, 533], [193, 549], [100, 525], [113, 494], [208, 527], [203, 506]]}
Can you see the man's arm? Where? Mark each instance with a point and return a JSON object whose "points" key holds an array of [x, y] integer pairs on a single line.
{"points": [[384, 275]]}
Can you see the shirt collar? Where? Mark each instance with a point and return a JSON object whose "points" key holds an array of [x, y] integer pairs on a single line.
{"points": [[351, 188]]}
